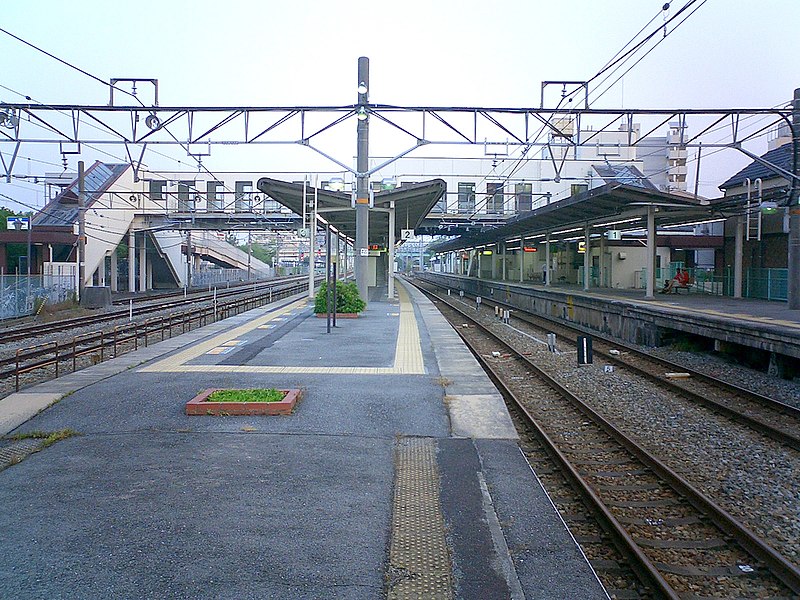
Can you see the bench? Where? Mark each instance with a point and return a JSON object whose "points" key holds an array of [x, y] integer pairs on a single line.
{"points": [[682, 286]]}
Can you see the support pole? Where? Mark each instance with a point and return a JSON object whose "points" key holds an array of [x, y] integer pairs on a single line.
{"points": [[737, 257], [503, 261], [143, 263], [114, 272], [391, 250], [548, 272], [587, 259], [131, 260], [794, 210], [328, 280], [101, 272], [188, 259], [312, 242], [522, 259], [601, 269], [651, 253], [362, 181], [81, 230]]}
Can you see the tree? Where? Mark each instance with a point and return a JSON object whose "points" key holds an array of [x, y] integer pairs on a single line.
{"points": [[260, 252]]}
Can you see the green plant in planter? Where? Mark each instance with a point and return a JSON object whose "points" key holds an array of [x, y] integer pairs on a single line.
{"points": [[348, 299]]}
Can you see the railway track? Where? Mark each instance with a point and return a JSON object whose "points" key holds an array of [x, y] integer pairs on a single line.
{"points": [[678, 541], [155, 304], [770, 417], [46, 360]]}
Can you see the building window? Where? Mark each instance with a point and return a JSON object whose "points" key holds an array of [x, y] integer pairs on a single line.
{"points": [[466, 197], [524, 196], [157, 190], [213, 196], [185, 196], [494, 198], [244, 196], [578, 188]]}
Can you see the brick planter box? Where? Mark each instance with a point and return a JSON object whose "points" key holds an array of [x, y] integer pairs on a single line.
{"points": [[199, 405]]}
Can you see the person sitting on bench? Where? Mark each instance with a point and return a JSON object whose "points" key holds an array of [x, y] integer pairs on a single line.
{"points": [[681, 279]]}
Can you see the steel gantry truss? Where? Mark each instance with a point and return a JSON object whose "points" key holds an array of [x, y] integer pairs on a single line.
{"points": [[501, 131]]}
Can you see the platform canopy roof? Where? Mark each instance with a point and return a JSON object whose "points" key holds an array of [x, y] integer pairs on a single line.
{"points": [[412, 202], [611, 206]]}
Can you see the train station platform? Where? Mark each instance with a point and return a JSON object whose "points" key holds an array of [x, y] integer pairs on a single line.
{"points": [[732, 324], [398, 475]]}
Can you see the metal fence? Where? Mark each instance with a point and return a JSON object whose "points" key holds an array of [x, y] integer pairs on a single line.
{"points": [[22, 295], [206, 277], [767, 284]]}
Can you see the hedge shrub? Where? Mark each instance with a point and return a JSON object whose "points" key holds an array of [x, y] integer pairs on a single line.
{"points": [[348, 299]]}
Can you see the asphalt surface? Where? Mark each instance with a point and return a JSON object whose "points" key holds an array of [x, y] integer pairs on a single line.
{"points": [[149, 503]]}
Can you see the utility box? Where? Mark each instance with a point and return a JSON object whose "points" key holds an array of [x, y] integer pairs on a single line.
{"points": [[96, 297]]}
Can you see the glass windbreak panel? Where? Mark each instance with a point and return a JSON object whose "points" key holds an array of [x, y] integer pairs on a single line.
{"points": [[466, 197]]}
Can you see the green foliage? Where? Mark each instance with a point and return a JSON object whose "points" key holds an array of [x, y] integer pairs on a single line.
{"points": [[5, 212], [260, 252], [348, 299], [265, 395], [48, 437], [122, 250]]}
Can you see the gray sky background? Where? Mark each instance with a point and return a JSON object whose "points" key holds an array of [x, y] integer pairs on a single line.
{"points": [[730, 53]]}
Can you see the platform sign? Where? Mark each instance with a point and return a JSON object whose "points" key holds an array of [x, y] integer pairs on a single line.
{"points": [[363, 252], [406, 234], [303, 232], [17, 223], [584, 350]]}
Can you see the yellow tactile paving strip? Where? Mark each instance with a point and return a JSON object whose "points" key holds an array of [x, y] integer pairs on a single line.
{"points": [[407, 358], [419, 562]]}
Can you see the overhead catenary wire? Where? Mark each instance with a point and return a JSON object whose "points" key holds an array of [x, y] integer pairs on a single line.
{"points": [[111, 86], [70, 65]]}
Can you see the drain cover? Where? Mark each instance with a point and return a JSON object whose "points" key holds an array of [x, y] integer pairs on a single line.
{"points": [[13, 451]]}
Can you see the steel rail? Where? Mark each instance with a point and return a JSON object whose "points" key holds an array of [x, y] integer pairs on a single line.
{"points": [[37, 330], [784, 437], [26, 360], [782, 568]]}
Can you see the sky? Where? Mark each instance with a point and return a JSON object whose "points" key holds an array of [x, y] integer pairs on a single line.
{"points": [[729, 53]]}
